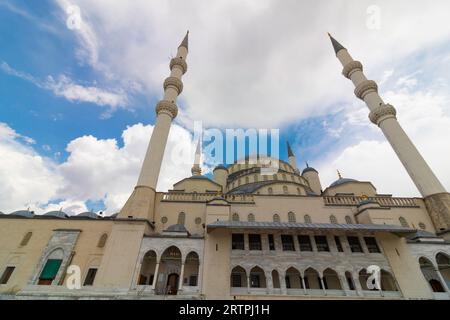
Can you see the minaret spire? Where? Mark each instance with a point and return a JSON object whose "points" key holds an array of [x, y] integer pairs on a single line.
{"points": [[142, 199], [196, 169], [291, 157], [336, 45], [437, 199], [185, 42]]}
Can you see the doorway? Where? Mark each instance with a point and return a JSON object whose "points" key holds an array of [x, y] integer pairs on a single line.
{"points": [[172, 283]]}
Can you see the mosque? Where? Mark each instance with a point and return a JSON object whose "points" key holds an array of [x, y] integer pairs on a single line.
{"points": [[242, 234]]}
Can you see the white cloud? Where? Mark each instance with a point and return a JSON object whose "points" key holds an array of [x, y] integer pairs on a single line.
{"points": [[65, 87], [96, 170], [256, 58]]}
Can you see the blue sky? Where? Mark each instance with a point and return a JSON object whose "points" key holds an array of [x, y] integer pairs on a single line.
{"points": [[73, 100]]}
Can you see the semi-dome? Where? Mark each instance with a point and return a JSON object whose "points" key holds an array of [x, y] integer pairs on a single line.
{"points": [[341, 181], [23, 213], [90, 215], [309, 169], [56, 214]]}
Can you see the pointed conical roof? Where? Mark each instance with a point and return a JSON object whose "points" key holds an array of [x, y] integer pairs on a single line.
{"points": [[185, 42], [290, 153], [336, 45]]}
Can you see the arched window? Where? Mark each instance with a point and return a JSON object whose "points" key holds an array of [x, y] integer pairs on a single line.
{"points": [[276, 218], [403, 222], [251, 217], [348, 220], [247, 180], [299, 191], [270, 190], [285, 190], [102, 241], [307, 218], [235, 217], [333, 219], [26, 239], [291, 217], [181, 218]]}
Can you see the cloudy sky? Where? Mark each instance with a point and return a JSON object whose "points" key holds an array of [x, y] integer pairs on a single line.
{"points": [[77, 104]]}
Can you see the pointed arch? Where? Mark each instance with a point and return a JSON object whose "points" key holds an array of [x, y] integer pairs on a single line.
{"points": [[257, 278], [102, 241], [276, 218], [308, 218], [238, 278], [181, 218], [291, 217], [235, 217]]}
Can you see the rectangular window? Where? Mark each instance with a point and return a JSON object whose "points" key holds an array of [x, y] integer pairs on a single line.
{"points": [[49, 272], [271, 242], [354, 243], [254, 242], [193, 281], [372, 245], [237, 241], [322, 243], [236, 280], [305, 243], [338, 244], [89, 281], [6, 275], [288, 242]]}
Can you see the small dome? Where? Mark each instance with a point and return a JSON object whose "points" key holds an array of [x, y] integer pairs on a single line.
{"points": [[342, 181], [199, 177], [56, 214], [309, 169], [220, 167], [176, 228], [23, 213], [90, 215]]}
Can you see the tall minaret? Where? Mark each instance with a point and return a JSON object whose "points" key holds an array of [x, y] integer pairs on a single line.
{"points": [[383, 115], [291, 157], [138, 205], [196, 170]]}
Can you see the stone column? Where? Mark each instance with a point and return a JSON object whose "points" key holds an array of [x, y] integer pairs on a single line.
{"points": [[313, 243], [283, 283], [180, 285], [155, 277], [304, 285], [323, 286], [248, 283], [269, 284]]}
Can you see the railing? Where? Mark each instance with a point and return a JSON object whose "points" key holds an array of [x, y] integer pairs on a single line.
{"points": [[205, 197], [355, 200]]}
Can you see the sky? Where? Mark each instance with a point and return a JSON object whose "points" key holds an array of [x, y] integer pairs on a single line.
{"points": [[79, 80]]}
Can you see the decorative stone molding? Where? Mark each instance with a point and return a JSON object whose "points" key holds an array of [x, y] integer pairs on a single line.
{"points": [[438, 207], [173, 82], [381, 113], [180, 63], [167, 107], [352, 67], [365, 88]]}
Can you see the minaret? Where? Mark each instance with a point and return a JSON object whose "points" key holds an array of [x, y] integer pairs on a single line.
{"points": [[140, 203], [436, 198], [291, 158], [196, 170]]}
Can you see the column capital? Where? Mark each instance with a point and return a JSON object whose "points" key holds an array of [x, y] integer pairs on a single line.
{"points": [[381, 113], [365, 87], [168, 107], [352, 67], [175, 83]]}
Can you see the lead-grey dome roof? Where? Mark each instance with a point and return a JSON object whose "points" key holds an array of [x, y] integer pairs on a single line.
{"points": [[23, 213], [56, 214], [308, 169], [90, 215], [342, 181]]}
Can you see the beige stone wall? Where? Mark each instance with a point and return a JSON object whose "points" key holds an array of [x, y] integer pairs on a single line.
{"points": [[26, 258]]}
